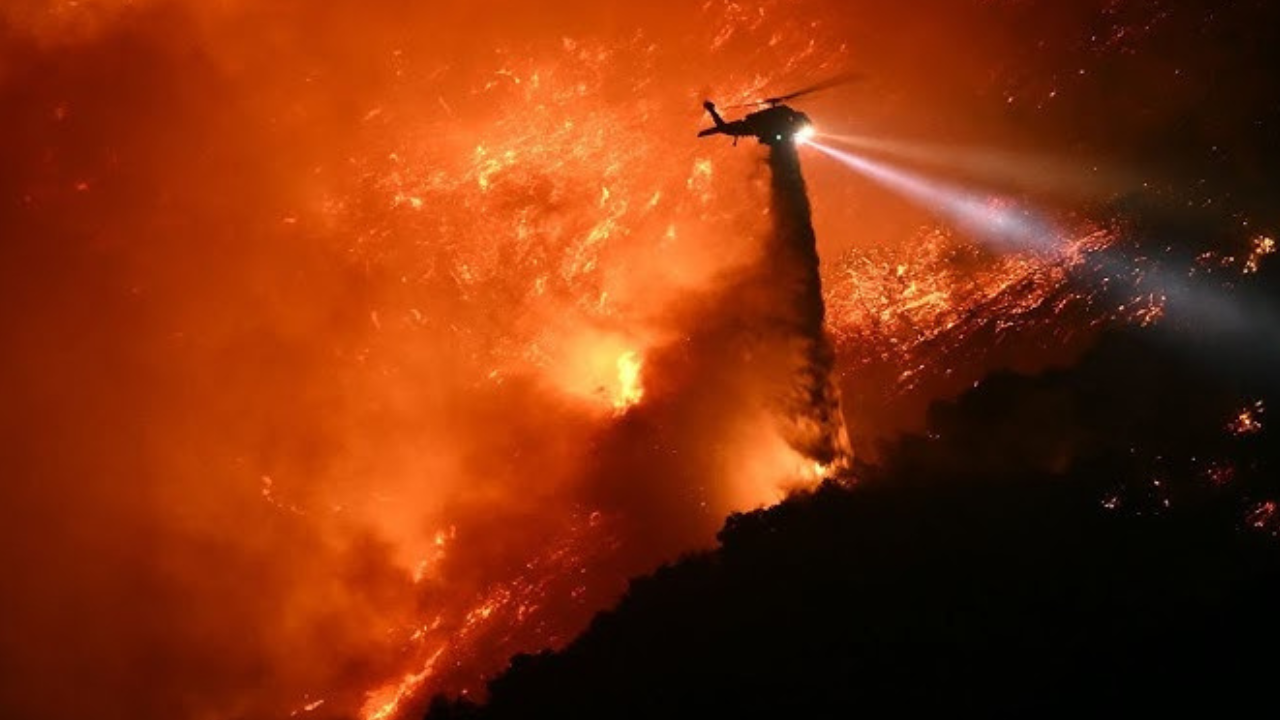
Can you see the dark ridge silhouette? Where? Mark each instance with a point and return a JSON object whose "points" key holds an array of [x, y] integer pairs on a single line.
{"points": [[1056, 544], [814, 423]]}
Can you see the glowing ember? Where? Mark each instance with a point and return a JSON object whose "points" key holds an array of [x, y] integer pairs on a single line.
{"points": [[309, 707], [1220, 474], [1261, 247], [1248, 421], [272, 497], [1265, 517]]}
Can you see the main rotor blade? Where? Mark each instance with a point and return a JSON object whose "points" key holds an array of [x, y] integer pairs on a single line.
{"points": [[841, 79]]}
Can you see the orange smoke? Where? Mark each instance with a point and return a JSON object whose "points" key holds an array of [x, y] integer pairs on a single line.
{"points": [[351, 349]]}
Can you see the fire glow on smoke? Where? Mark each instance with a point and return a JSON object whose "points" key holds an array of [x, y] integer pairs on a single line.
{"points": [[359, 353]]}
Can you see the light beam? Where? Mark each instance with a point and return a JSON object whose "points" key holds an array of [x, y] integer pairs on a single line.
{"points": [[1015, 169], [993, 219], [1004, 225]]}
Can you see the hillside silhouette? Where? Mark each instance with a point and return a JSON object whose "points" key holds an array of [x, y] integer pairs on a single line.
{"points": [[1087, 540]]}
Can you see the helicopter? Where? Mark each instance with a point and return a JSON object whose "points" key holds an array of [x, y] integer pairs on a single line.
{"points": [[775, 124]]}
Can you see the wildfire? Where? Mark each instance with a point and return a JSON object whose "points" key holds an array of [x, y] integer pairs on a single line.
{"points": [[629, 391], [420, 285], [384, 702], [506, 617], [429, 565], [913, 313]]}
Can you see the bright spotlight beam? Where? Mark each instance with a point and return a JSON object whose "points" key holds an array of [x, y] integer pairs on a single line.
{"points": [[1003, 225], [1035, 172], [991, 219]]}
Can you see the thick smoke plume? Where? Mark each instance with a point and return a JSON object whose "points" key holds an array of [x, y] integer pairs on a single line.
{"points": [[350, 347], [336, 355]]}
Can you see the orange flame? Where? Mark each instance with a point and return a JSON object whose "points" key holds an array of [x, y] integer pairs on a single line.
{"points": [[629, 392], [350, 286], [1260, 248]]}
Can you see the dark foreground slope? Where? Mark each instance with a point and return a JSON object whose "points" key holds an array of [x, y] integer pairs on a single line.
{"points": [[1060, 543]]}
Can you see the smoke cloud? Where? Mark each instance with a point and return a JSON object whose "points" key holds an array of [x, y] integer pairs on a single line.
{"points": [[357, 341], [301, 390]]}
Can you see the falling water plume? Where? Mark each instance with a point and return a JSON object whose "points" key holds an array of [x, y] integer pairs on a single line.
{"points": [[813, 420]]}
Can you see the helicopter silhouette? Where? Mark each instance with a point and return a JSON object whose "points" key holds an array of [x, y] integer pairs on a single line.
{"points": [[777, 123]]}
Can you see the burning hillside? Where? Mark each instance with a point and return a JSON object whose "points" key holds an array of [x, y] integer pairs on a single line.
{"points": [[350, 350]]}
